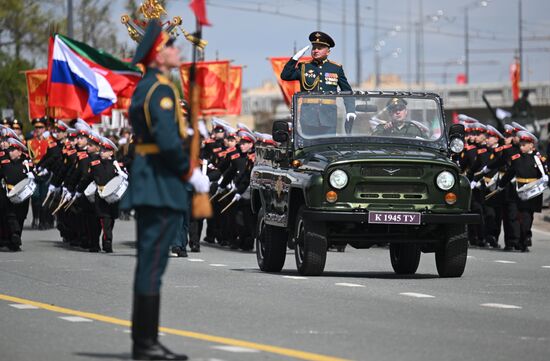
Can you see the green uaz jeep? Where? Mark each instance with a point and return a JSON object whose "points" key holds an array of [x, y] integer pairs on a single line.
{"points": [[361, 169]]}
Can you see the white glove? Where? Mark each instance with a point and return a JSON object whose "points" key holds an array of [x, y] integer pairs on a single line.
{"points": [[350, 116], [200, 181], [230, 187], [43, 172], [485, 170], [30, 175], [236, 197], [220, 180], [478, 184], [500, 189], [473, 184], [122, 141], [300, 53], [77, 195], [52, 188], [545, 178], [123, 175], [67, 197]]}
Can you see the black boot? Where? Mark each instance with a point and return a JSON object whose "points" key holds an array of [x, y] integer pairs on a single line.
{"points": [[145, 324]]}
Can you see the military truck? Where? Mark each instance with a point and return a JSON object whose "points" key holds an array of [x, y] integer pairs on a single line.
{"points": [[380, 177]]}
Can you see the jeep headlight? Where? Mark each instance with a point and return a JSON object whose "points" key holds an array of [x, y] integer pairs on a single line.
{"points": [[456, 145], [445, 180], [338, 179]]}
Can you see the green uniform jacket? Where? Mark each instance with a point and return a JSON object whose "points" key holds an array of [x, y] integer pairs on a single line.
{"points": [[158, 168], [318, 77]]}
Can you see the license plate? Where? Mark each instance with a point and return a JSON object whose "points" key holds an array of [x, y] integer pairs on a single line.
{"points": [[394, 217]]}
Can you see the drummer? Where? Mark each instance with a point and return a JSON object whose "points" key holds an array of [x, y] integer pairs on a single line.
{"points": [[15, 169], [527, 167]]}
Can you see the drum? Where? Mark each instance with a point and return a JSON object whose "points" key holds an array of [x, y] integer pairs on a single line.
{"points": [[22, 191], [89, 192], [531, 190], [114, 189]]}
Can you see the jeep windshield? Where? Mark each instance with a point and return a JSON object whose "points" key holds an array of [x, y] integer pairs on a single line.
{"points": [[379, 118]]}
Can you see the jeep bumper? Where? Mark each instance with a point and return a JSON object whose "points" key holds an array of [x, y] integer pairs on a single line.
{"points": [[363, 217]]}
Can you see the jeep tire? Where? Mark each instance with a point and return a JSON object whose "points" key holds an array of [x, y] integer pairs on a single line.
{"points": [[404, 257], [310, 246], [270, 245], [450, 256]]}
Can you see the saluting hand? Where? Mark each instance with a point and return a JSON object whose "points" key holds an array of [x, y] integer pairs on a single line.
{"points": [[300, 53]]}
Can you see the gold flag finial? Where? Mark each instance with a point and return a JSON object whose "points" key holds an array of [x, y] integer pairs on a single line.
{"points": [[151, 9]]}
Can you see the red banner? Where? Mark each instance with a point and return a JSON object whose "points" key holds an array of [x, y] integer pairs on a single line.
{"points": [[515, 76], [212, 80], [37, 81], [235, 90], [199, 9], [287, 87]]}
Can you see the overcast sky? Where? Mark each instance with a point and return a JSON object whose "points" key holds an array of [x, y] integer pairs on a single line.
{"points": [[249, 31]]}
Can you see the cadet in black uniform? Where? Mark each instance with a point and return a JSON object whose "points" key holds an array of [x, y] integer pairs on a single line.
{"points": [[318, 116], [13, 170], [527, 167]]}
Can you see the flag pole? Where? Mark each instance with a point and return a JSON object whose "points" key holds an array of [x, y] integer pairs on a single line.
{"points": [[201, 206]]}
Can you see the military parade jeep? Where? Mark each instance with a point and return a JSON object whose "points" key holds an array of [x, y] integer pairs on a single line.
{"points": [[383, 178]]}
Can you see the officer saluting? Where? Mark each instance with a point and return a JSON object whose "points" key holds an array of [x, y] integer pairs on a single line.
{"points": [[320, 75], [158, 190]]}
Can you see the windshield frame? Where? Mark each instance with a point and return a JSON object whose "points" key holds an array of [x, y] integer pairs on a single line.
{"points": [[300, 142]]}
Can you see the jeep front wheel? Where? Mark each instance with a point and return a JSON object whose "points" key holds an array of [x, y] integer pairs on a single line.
{"points": [[450, 256], [405, 258], [270, 245], [310, 247]]}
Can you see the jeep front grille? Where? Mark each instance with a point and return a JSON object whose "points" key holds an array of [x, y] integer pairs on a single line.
{"points": [[391, 191], [391, 171]]}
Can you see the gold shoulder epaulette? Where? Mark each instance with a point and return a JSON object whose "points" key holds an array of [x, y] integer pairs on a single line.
{"points": [[335, 63], [163, 79]]}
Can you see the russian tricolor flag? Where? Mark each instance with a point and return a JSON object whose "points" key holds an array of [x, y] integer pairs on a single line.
{"points": [[85, 79]]}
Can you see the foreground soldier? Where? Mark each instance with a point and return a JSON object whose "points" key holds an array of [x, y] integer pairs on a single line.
{"points": [[527, 167], [158, 188]]}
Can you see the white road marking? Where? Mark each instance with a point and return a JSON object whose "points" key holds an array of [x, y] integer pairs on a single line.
{"points": [[218, 265], [501, 305], [295, 277], [545, 266], [75, 319], [348, 284], [417, 295], [235, 349], [21, 306], [195, 260], [503, 261]]}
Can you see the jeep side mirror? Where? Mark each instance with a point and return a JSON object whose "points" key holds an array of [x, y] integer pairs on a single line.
{"points": [[456, 138], [280, 131]]}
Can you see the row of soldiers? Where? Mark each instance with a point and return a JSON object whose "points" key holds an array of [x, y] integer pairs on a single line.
{"points": [[498, 164], [76, 156], [228, 155]]}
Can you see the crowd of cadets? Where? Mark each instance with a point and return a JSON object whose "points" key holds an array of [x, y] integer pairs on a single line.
{"points": [[229, 156], [497, 164], [62, 160]]}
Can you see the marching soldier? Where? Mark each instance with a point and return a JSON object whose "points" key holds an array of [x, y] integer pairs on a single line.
{"points": [[478, 196], [13, 170], [318, 75], [527, 167], [38, 145], [157, 190]]}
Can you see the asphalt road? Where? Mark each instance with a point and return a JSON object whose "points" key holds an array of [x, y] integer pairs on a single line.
{"points": [[62, 304]]}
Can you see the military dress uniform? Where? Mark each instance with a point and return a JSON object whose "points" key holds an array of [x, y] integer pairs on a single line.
{"points": [[318, 116], [526, 168], [13, 171], [38, 146], [157, 190]]}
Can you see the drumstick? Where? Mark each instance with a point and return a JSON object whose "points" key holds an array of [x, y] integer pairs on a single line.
{"points": [[46, 199], [491, 194], [225, 196], [229, 205], [59, 206]]}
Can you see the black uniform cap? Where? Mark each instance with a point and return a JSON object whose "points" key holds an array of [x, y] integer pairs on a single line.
{"points": [[318, 37]]}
